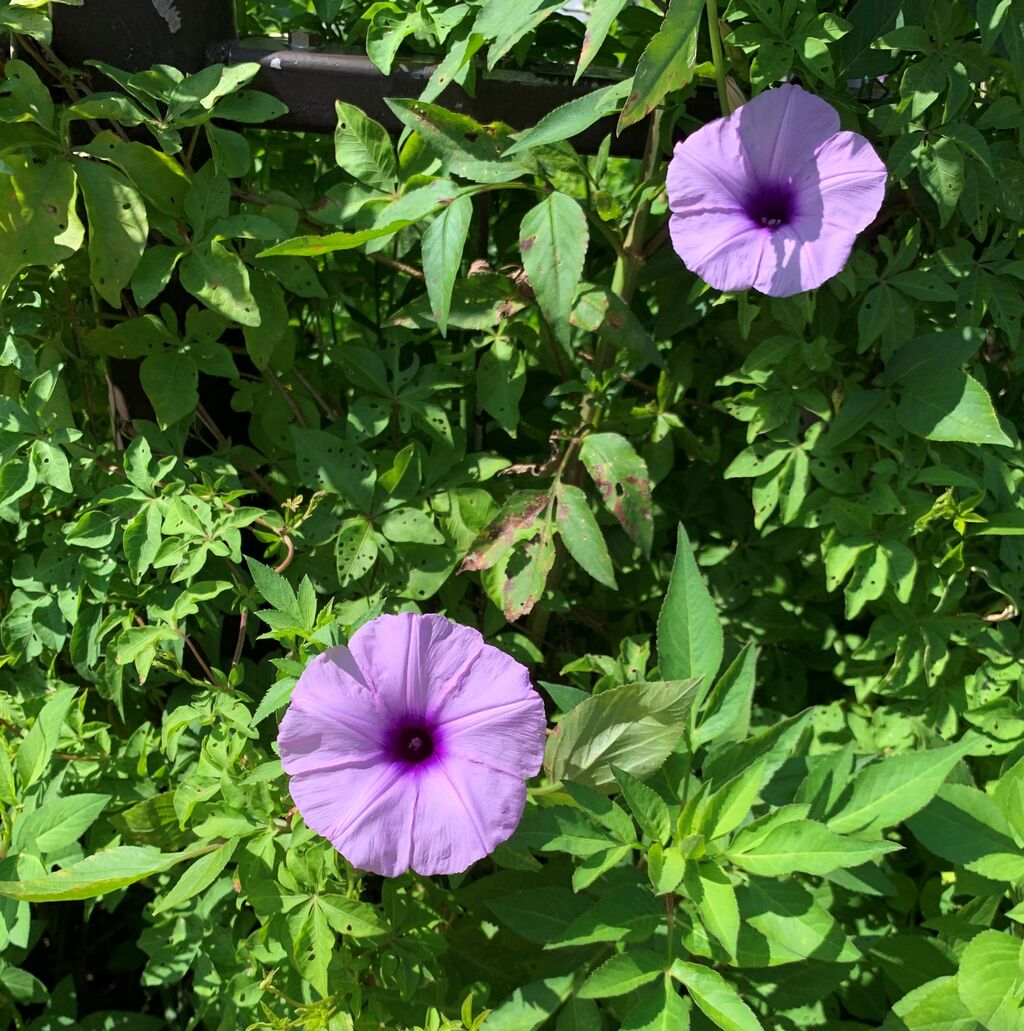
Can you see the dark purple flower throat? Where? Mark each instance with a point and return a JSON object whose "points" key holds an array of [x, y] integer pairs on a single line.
{"points": [[771, 205], [412, 742]]}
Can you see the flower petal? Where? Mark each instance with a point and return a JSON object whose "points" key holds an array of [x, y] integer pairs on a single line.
{"points": [[333, 719], [507, 736], [804, 255], [726, 250], [366, 813], [782, 128], [708, 170], [405, 657], [851, 181], [464, 810]]}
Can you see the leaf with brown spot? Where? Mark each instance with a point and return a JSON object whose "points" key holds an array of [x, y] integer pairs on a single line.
{"points": [[621, 477], [515, 522]]}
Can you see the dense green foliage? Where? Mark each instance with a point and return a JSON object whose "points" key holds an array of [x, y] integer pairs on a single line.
{"points": [[463, 371]]}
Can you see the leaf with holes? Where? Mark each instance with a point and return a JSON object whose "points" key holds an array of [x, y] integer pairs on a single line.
{"points": [[37, 209], [329, 463], [621, 477], [215, 275], [355, 550]]}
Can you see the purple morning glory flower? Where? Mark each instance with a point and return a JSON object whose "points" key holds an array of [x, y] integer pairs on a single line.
{"points": [[773, 196], [411, 747]]}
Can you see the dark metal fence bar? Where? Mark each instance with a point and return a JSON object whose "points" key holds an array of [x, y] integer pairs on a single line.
{"points": [[136, 34]]}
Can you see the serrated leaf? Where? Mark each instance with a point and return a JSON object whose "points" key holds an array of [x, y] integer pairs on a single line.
{"points": [[442, 248], [667, 62], [553, 242], [633, 727], [622, 480], [582, 536], [690, 640]]}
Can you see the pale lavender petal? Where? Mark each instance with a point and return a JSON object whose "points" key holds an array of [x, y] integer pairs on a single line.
{"points": [[468, 681], [708, 170], [366, 814], [804, 257], [782, 128], [333, 719], [507, 736], [464, 810], [403, 656], [728, 251], [851, 180]]}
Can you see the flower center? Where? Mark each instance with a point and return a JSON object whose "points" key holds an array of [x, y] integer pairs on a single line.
{"points": [[771, 205], [412, 743]]}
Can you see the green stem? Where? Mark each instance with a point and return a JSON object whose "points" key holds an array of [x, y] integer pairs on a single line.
{"points": [[716, 55]]}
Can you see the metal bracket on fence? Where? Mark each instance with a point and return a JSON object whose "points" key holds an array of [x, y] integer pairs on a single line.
{"points": [[309, 78]]}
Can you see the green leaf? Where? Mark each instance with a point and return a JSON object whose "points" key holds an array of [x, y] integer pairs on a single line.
{"points": [[467, 148], [215, 275], [806, 846], [262, 340], [553, 242], [934, 1006], [623, 973], [622, 480], [528, 1007], [658, 1008], [59, 822], [275, 589], [118, 227], [35, 750], [990, 972], [711, 890], [950, 405], [579, 1015], [198, 877], [362, 147], [352, 917], [667, 63], [582, 536], [729, 805], [646, 805], [941, 168], [154, 272], [505, 22], [37, 210], [500, 383], [571, 119], [98, 874], [410, 526], [726, 714], [887, 792], [631, 913], [539, 915], [442, 247], [690, 640], [312, 943], [355, 550], [329, 463], [171, 382], [561, 829], [602, 14], [331, 242], [634, 727], [782, 923], [719, 1000], [963, 825]]}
